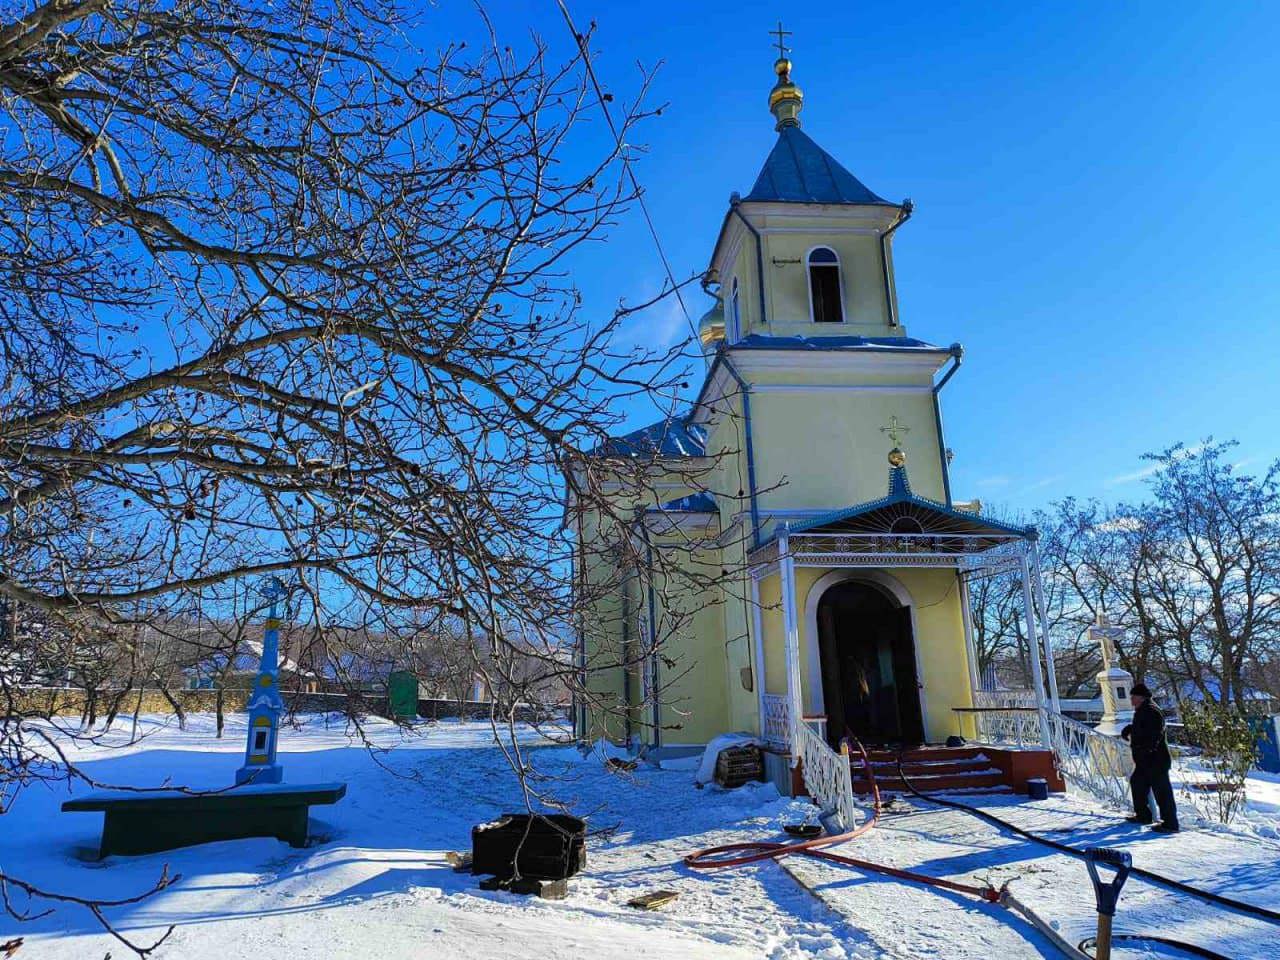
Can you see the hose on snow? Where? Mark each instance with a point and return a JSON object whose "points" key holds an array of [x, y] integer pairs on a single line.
{"points": [[738, 854]]}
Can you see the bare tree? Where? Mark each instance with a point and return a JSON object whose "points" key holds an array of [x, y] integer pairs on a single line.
{"points": [[282, 294], [1213, 565]]}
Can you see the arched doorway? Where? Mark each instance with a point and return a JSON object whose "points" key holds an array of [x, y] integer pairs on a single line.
{"points": [[869, 683]]}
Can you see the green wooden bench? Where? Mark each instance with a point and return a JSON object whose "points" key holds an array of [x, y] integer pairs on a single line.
{"points": [[147, 821]]}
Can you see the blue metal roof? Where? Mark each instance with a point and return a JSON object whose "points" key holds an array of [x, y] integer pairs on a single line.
{"points": [[799, 171], [672, 437], [759, 341]]}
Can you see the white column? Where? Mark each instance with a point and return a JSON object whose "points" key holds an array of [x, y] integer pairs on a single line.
{"points": [[1033, 643], [787, 575], [966, 616], [757, 649], [1042, 614]]}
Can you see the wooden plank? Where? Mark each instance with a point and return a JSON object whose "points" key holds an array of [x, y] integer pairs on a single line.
{"points": [[653, 900]]}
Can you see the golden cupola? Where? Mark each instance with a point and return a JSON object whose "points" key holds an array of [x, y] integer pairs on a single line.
{"points": [[786, 100]]}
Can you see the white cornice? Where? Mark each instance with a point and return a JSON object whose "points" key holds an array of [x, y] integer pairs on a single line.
{"points": [[841, 388], [865, 360]]}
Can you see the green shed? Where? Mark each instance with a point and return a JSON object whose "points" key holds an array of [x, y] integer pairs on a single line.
{"points": [[402, 694]]}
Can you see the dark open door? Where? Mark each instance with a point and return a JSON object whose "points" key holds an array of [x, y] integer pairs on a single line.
{"points": [[906, 681], [868, 661]]}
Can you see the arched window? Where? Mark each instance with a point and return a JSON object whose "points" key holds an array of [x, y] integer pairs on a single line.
{"points": [[906, 525], [735, 314], [825, 302]]}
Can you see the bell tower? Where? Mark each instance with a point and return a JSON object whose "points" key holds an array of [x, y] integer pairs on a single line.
{"points": [[807, 252]]}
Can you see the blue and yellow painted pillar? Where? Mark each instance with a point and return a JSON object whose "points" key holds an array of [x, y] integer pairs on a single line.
{"points": [[265, 703]]}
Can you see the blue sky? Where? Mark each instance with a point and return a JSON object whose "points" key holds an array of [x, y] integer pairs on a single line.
{"points": [[1096, 204]]}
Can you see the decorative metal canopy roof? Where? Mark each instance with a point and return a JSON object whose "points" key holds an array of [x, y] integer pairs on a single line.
{"points": [[902, 511], [899, 529]]}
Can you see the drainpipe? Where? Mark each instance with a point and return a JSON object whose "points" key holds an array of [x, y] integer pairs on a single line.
{"points": [[626, 662], [653, 639], [957, 356], [751, 457], [904, 214], [734, 200]]}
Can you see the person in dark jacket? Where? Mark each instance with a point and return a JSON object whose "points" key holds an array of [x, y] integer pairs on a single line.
{"points": [[1151, 762]]}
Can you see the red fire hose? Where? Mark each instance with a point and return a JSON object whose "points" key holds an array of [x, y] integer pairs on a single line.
{"points": [[714, 858]]}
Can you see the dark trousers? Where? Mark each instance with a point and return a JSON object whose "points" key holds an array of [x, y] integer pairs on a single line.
{"points": [[1153, 778]]}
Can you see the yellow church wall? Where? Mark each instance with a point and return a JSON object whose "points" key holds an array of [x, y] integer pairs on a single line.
{"points": [[693, 688], [825, 449], [739, 651], [862, 284], [743, 267], [690, 621], [938, 634], [602, 632]]}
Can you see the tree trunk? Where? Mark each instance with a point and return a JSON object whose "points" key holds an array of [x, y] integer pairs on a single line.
{"points": [[176, 707]]}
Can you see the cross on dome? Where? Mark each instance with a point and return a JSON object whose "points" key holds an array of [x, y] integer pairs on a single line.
{"points": [[782, 35]]}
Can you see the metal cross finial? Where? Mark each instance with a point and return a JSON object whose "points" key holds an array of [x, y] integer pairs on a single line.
{"points": [[895, 430], [782, 35]]}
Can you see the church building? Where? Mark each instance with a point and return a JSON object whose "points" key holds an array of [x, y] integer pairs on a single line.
{"points": [[825, 496]]}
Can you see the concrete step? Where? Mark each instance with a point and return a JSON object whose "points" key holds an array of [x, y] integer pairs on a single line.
{"points": [[925, 768]]}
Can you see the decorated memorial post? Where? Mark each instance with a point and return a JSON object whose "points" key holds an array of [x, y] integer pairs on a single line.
{"points": [[265, 703], [1113, 680]]}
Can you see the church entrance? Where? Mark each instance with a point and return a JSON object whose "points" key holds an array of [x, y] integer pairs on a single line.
{"points": [[867, 652]]}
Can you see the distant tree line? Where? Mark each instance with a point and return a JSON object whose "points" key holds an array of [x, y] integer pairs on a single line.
{"points": [[1191, 572]]}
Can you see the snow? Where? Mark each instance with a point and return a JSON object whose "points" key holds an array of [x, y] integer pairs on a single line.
{"points": [[377, 882], [948, 843]]}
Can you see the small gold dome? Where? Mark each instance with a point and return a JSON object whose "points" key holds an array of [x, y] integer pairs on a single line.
{"points": [[785, 99], [897, 458], [711, 328]]}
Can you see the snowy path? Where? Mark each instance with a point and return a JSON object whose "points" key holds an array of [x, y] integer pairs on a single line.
{"points": [[953, 844], [378, 884]]}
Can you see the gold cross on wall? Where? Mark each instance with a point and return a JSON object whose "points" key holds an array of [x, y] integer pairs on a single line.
{"points": [[895, 430], [782, 35]]}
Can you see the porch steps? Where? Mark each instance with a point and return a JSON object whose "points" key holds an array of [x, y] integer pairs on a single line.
{"points": [[930, 769]]}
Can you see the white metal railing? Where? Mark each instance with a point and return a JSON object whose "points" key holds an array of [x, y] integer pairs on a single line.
{"points": [[1093, 761], [1004, 698], [776, 724], [1088, 760], [826, 776], [1016, 726]]}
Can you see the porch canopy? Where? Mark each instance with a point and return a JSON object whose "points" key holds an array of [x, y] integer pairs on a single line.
{"points": [[900, 529]]}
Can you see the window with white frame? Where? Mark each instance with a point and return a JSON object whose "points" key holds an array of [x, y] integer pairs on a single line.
{"points": [[826, 304]]}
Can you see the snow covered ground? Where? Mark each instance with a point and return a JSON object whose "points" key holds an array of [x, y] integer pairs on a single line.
{"points": [[378, 883]]}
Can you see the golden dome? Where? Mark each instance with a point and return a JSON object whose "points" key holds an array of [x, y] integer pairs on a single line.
{"points": [[711, 327], [897, 458], [785, 99]]}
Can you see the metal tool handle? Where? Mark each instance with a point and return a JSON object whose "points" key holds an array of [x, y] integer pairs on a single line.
{"points": [[1106, 893]]}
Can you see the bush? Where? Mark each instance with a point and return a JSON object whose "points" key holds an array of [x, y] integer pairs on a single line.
{"points": [[1222, 733]]}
